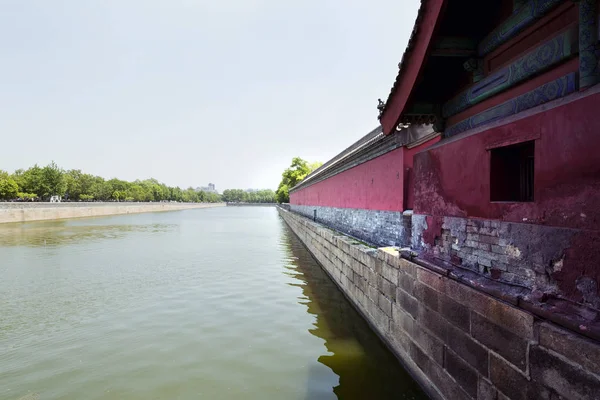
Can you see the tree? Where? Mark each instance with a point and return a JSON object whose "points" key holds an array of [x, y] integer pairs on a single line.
{"points": [[37, 182], [8, 187], [54, 182], [292, 176]]}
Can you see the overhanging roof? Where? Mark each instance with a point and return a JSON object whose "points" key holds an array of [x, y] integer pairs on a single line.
{"points": [[412, 62]]}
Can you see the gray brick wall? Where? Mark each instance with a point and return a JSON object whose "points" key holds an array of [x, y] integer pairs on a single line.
{"points": [[381, 228], [520, 254]]}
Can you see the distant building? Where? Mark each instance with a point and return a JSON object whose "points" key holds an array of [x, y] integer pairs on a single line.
{"points": [[208, 189]]}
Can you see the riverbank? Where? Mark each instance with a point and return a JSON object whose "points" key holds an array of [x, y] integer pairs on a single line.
{"points": [[27, 212]]}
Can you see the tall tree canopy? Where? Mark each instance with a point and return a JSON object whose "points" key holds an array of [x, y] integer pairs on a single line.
{"points": [[292, 176]]}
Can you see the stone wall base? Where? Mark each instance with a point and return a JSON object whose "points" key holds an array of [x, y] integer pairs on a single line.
{"points": [[456, 341]]}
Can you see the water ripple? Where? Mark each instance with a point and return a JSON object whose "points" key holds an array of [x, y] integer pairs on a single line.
{"points": [[216, 303]]}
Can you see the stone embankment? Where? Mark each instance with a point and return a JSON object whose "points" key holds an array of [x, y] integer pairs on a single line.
{"points": [[26, 212], [457, 341]]}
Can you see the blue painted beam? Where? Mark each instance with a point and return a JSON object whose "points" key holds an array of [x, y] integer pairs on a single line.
{"points": [[521, 18], [543, 94], [550, 53]]}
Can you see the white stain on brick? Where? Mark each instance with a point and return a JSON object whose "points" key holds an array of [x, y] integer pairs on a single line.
{"points": [[513, 251]]}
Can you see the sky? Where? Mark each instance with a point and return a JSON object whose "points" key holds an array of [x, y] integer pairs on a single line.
{"points": [[193, 91]]}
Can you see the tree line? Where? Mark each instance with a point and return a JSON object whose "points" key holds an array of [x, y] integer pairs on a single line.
{"points": [[40, 183], [241, 196], [292, 176]]}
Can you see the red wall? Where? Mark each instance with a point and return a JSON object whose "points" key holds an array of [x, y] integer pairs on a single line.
{"points": [[409, 179], [453, 179], [374, 185]]}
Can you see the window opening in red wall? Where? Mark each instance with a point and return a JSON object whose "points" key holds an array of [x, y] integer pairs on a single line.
{"points": [[512, 172]]}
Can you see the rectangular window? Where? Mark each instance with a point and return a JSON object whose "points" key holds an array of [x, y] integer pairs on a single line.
{"points": [[512, 172]]}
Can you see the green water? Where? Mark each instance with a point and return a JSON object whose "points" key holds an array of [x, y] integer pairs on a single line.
{"points": [[220, 303]]}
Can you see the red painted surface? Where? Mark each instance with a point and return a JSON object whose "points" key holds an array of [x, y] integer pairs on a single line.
{"points": [[409, 155], [377, 184], [412, 64], [453, 179]]}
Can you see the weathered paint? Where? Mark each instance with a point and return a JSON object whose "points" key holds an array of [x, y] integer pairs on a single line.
{"points": [[453, 180], [377, 184], [409, 155]]}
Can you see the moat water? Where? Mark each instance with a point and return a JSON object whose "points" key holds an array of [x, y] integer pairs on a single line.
{"points": [[221, 303]]}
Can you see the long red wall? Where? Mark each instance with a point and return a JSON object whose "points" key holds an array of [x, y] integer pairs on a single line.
{"points": [[374, 185], [454, 179]]}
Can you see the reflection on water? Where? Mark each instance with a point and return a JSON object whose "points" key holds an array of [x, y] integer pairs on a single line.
{"points": [[221, 303], [63, 232], [366, 368]]}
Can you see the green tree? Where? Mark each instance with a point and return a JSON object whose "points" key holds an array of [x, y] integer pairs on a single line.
{"points": [[293, 175], [31, 180], [54, 183], [8, 186]]}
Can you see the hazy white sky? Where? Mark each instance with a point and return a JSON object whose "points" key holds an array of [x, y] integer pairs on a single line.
{"points": [[193, 91]]}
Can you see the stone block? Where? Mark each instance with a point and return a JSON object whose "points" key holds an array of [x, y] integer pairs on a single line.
{"points": [[360, 282], [473, 237], [468, 349], [373, 293], [432, 321], [433, 347], [484, 246], [444, 382], [485, 390], [431, 279], [454, 312], [399, 339], [567, 379], [378, 318], [484, 261], [499, 339], [419, 357], [388, 272], [406, 282], [471, 243], [408, 267], [491, 240], [387, 288], [575, 347], [513, 383], [461, 372], [503, 314], [370, 276], [472, 229], [426, 296], [402, 320], [407, 302], [385, 304], [498, 249]]}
